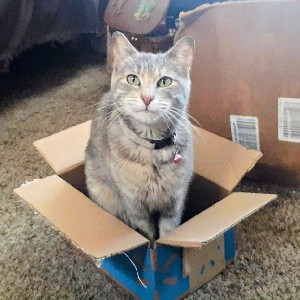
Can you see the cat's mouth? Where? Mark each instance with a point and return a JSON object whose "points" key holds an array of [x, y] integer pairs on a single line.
{"points": [[146, 116], [146, 110]]}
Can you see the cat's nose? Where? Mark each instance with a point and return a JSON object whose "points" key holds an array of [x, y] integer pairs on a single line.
{"points": [[147, 99]]}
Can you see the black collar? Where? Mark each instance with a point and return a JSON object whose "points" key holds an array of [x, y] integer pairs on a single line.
{"points": [[159, 144], [149, 143]]}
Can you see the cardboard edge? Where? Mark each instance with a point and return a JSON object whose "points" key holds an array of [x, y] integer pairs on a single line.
{"points": [[181, 244], [196, 12], [78, 247], [49, 161], [255, 157], [171, 240], [242, 219], [93, 258], [43, 154], [206, 6], [39, 146], [259, 156], [98, 261]]}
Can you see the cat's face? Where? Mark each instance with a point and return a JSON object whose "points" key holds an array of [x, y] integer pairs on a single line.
{"points": [[151, 87]]}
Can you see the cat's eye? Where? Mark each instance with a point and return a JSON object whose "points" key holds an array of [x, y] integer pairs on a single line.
{"points": [[133, 80], [164, 81]]}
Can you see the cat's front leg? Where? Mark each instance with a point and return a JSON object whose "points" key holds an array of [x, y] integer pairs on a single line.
{"points": [[144, 227], [168, 223], [171, 218], [140, 220], [104, 196]]}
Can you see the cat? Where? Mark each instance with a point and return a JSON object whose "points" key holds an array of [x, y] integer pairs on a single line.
{"points": [[140, 156]]}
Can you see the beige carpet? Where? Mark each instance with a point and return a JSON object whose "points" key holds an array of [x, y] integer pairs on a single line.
{"points": [[50, 90]]}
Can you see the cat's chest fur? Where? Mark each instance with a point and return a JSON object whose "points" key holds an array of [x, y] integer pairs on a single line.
{"points": [[144, 174]]}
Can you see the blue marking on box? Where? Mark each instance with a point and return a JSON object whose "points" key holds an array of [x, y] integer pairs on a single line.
{"points": [[169, 280], [202, 269], [165, 281], [121, 269], [229, 244], [212, 263]]}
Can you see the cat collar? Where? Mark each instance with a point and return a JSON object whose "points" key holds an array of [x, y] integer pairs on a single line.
{"points": [[153, 144], [159, 144]]}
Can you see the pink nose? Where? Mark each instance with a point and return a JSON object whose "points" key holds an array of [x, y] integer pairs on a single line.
{"points": [[147, 99]]}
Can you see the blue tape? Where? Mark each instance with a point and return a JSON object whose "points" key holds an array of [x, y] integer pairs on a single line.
{"points": [[168, 277], [165, 282], [229, 244], [121, 269]]}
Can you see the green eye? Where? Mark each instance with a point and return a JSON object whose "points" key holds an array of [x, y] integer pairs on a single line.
{"points": [[164, 81], [133, 80]]}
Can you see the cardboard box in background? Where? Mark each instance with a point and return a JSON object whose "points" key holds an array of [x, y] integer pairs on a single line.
{"points": [[246, 79], [184, 259]]}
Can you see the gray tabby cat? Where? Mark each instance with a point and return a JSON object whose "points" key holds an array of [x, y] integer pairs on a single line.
{"points": [[140, 157]]}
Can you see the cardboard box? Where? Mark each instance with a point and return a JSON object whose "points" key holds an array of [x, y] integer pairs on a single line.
{"points": [[247, 63], [184, 259]]}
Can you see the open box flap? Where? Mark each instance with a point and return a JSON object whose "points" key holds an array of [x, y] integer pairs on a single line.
{"points": [[217, 219], [88, 226], [220, 160], [216, 159], [65, 150]]}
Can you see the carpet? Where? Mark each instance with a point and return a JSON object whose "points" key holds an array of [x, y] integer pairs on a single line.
{"points": [[52, 88]]}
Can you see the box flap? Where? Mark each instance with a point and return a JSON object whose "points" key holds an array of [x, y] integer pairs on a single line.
{"points": [[216, 220], [220, 160], [217, 159], [88, 226], [65, 150]]}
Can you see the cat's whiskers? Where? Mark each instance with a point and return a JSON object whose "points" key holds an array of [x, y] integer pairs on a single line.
{"points": [[180, 110], [169, 118], [171, 114], [105, 106], [110, 117], [87, 107], [165, 121], [182, 124], [116, 114], [179, 115]]}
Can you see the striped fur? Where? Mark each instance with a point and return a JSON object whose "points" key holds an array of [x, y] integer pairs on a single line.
{"points": [[142, 186]]}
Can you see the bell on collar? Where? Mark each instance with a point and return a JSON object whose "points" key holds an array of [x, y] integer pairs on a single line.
{"points": [[177, 158]]}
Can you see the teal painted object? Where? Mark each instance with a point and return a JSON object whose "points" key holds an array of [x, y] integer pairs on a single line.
{"points": [[168, 277], [120, 268], [163, 278], [229, 245]]}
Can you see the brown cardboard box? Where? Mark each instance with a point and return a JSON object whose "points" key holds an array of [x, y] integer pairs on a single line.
{"points": [[184, 259], [247, 62]]}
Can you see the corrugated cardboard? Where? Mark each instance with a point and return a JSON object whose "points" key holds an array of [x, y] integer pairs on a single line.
{"points": [[181, 261], [64, 152], [95, 231], [247, 56]]}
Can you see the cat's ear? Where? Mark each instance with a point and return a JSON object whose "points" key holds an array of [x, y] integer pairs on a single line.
{"points": [[182, 52], [121, 48]]}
